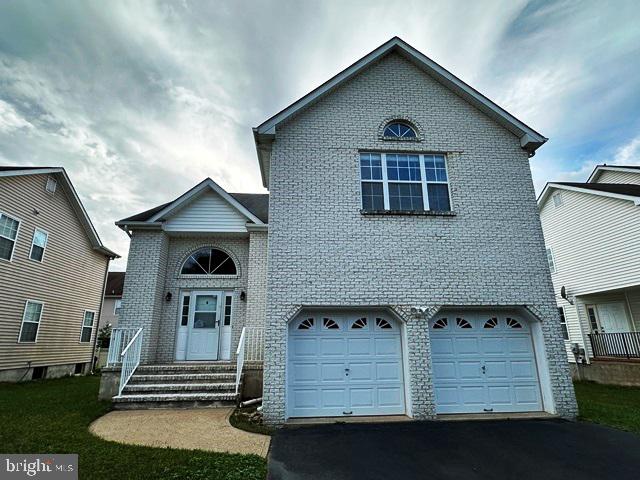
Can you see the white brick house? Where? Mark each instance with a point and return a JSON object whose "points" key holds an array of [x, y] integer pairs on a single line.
{"points": [[405, 269]]}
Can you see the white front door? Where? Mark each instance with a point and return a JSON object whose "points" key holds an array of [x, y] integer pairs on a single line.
{"points": [[203, 328], [483, 363], [344, 364], [613, 318]]}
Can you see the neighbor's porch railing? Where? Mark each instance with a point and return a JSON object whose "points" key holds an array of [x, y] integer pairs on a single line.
{"points": [[250, 348], [120, 338], [620, 345], [130, 359]]}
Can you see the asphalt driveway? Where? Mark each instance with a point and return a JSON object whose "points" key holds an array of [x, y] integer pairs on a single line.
{"points": [[516, 449]]}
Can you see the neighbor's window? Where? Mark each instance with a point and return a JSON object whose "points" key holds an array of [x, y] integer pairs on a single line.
{"points": [[399, 130], [8, 234], [551, 260], [117, 307], [30, 321], [87, 326], [209, 261], [557, 199], [38, 244], [563, 324], [404, 182], [52, 184], [593, 319]]}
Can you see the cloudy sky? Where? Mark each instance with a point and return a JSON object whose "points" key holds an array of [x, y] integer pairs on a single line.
{"points": [[141, 100]]}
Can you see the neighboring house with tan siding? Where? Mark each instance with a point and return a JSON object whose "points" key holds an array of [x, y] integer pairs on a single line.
{"points": [[52, 276], [592, 233]]}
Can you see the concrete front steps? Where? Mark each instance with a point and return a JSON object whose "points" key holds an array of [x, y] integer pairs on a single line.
{"points": [[185, 385]]}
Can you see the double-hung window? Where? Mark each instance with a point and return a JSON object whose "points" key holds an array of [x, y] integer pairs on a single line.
{"points": [[404, 182], [87, 326], [30, 321], [38, 244], [8, 235]]}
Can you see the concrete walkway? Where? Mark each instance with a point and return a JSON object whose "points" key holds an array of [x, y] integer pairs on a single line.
{"points": [[201, 429]]}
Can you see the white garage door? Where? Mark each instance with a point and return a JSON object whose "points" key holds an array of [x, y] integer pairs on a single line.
{"points": [[483, 363], [340, 365]]}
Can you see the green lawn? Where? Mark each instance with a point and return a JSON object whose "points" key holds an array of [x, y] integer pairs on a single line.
{"points": [[52, 416], [617, 407]]}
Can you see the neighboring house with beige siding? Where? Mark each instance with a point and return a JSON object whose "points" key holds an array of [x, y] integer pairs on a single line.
{"points": [[52, 275], [592, 233]]}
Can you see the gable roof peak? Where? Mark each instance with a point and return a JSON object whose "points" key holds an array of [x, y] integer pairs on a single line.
{"points": [[265, 133]]}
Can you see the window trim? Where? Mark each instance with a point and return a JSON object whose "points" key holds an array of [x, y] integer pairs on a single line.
{"points": [[15, 241], [550, 255], [44, 249], [82, 326], [423, 182], [55, 185], [563, 323], [24, 314]]}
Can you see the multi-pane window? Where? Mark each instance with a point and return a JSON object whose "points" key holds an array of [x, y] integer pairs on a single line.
{"points": [[38, 244], [227, 310], [404, 182], [30, 321], [593, 319], [184, 314], [209, 261], [8, 235], [117, 307], [51, 185], [551, 260], [557, 199], [87, 326], [563, 324], [399, 130]]}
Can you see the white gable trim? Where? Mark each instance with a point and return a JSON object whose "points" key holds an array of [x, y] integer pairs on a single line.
{"points": [[76, 204], [195, 191], [612, 168], [549, 187], [264, 134]]}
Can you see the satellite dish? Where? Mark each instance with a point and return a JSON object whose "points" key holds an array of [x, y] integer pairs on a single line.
{"points": [[563, 294]]}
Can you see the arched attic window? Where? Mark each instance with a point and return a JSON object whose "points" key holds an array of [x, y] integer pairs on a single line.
{"points": [[397, 129], [209, 261]]}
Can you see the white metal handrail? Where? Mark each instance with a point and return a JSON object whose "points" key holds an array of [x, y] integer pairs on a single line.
{"points": [[240, 357], [120, 338], [130, 358]]}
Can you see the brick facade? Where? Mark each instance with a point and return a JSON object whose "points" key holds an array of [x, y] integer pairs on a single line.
{"points": [[323, 251]]}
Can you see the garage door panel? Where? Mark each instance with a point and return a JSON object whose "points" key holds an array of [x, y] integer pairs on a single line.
{"points": [[469, 370], [304, 372], [359, 346], [345, 371], [304, 347], [442, 346], [361, 371], [388, 371], [390, 396], [333, 347], [520, 344], [332, 372], [467, 346], [523, 370], [387, 346], [488, 369]]}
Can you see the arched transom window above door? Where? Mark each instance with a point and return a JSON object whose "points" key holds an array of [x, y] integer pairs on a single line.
{"points": [[209, 261]]}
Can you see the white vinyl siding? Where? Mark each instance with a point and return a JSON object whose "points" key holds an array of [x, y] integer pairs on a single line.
{"points": [[584, 233], [30, 321], [614, 176], [207, 213], [9, 229], [38, 245]]}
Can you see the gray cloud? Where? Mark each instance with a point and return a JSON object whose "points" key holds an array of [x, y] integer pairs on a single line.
{"points": [[141, 100]]}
